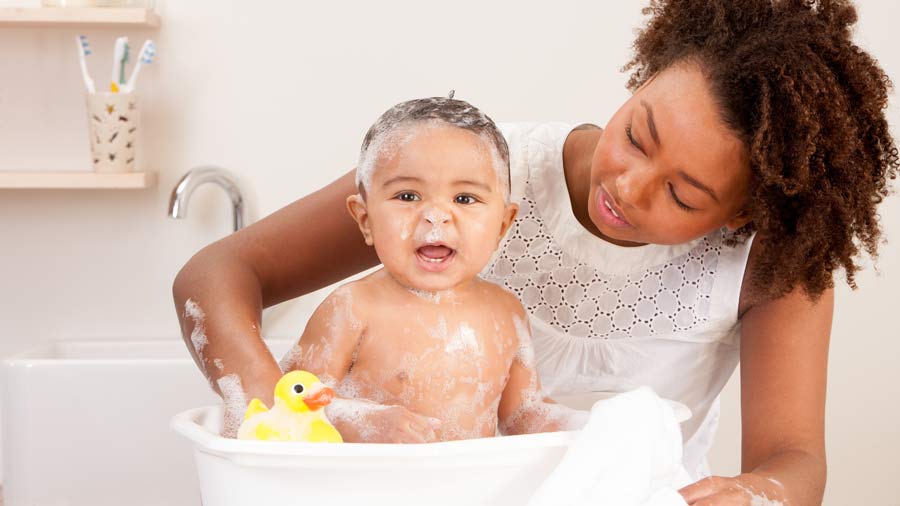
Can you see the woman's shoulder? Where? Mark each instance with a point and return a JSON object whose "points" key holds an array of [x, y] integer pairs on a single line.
{"points": [[543, 132], [532, 145]]}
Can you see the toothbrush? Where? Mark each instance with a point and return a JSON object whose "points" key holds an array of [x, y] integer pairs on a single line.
{"points": [[148, 51], [125, 59], [118, 55], [83, 51]]}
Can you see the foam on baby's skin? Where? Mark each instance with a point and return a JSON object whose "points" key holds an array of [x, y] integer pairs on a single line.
{"points": [[199, 340], [525, 351], [384, 145], [429, 296], [348, 388], [435, 234], [464, 340], [343, 318], [355, 412], [439, 331], [319, 353], [235, 404], [290, 358], [535, 414], [391, 137], [220, 366]]}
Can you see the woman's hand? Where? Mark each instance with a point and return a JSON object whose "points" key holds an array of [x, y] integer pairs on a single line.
{"points": [[361, 421], [743, 490]]}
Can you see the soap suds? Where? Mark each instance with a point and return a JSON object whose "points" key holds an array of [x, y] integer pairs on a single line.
{"points": [[776, 482], [535, 415], [388, 142], [429, 296], [220, 366], [525, 351], [757, 499], [355, 412], [291, 358], [193, 311], [464, 340], [385, 145], [435, 234], [439, 331], [235, 404]]}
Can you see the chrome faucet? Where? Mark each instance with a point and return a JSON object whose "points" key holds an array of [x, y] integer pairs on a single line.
{"points": [[178, 202]]}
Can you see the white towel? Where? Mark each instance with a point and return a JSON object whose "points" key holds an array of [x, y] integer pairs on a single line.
{"points": [[628, 454]]}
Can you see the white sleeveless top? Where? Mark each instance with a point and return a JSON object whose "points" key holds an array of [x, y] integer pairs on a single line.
{"points": [[607, 318]]}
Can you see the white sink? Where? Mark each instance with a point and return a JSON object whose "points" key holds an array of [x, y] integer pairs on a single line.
{"points": [[88, 423]]}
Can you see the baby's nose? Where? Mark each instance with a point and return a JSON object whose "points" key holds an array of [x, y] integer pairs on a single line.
{"points": [[436, 216]]}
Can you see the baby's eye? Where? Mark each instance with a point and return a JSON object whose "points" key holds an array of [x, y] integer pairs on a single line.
{"points": [[465, 199], [407, 196]]}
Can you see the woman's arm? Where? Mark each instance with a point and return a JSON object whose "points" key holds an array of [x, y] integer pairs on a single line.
{"points": [[303, 247], [784, 358]]}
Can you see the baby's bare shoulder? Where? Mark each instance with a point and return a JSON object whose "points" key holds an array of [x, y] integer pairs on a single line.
{"points": [[502, 298], [351, 297]]}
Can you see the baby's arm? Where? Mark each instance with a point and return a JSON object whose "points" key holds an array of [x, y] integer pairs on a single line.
{"points": [[329, 340], [326, 349], [523, 409]]}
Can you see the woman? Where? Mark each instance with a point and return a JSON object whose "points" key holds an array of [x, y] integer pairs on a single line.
{"points": [[702, 226]]}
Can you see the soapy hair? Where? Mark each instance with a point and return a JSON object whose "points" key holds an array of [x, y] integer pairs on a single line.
{"points": [[385, 134], [809, 105]]}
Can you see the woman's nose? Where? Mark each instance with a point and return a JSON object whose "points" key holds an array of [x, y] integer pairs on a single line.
{"points": [[633, 187]]}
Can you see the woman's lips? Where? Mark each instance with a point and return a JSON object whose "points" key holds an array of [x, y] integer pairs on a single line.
{"points": [[435, 257], [609, 212]]}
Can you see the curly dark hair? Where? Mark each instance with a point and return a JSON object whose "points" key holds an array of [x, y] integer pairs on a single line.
{"points": [[809, 105]]}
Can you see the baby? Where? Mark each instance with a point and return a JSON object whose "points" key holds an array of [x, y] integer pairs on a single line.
{"points": [[423, 349]]}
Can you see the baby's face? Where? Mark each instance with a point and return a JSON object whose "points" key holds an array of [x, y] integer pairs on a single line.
{"points": [[434, 209]]}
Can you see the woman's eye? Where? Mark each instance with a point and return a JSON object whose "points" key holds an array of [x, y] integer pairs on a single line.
{"points": [[465, 199], [678, 201], [631, 138], [407, 196]]}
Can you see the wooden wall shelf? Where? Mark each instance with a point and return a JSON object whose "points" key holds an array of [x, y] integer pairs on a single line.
{"points": [[76, 180], [78, 16]]}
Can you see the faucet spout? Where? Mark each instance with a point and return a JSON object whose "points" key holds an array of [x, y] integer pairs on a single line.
{"points": [[181, 195]]}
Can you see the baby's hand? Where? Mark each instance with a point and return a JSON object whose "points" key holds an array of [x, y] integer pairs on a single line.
{"points": [[366, 422], [396, 424]]}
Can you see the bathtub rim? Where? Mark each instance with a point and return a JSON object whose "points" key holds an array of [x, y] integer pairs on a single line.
{"points": [[190, 424]]}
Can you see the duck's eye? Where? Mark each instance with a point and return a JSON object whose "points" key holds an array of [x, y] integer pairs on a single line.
{"points": [[298, 388]]}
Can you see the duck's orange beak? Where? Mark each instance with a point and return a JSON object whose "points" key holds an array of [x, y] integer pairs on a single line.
{"points": [[319, 398]]}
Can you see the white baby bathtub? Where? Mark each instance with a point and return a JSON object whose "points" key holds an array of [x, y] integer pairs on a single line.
{"points": [[476, 472]]}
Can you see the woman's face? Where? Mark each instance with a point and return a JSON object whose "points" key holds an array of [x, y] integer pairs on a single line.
{"points": [[666, 169]]}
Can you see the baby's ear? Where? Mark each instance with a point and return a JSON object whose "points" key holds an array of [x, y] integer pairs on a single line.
{"points": [[357, 207], [509, 215]]}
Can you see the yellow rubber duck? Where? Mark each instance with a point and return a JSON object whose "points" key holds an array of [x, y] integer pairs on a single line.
{"points": [[297, 414]]}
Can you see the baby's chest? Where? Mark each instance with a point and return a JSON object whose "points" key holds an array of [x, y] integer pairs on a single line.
{"points": [[446, 355]]}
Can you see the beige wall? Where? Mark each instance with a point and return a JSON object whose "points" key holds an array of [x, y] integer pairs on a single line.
{"points": [[281, 93]]}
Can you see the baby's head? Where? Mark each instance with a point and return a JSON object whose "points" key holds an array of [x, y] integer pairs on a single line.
{"points": [[433, 179]]}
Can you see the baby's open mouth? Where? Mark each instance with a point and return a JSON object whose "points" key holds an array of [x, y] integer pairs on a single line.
{"points": [[435, 257]]}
